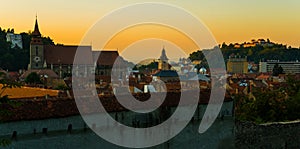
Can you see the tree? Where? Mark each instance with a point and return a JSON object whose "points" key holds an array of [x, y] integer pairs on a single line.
{"points": [[224, 45], [33, 78], [280, 70], [6, 83], [47, 41], [4, 99], [277, 70], [152, 65], [281, 104], [250, 53], [5, 102], [62, 87], [198, 55]]}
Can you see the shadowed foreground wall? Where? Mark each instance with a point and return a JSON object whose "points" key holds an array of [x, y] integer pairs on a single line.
{"points": [[272, 135], [44, 123]]}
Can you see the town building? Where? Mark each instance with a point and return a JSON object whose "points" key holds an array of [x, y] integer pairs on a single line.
{"points": [[288, 67], [15, 40], [237, 64], [163, 61]]}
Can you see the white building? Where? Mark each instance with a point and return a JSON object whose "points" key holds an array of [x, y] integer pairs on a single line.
{"points": [[15, 40], [288, 67]]}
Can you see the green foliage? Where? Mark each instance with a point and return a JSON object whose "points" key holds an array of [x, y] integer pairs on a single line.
{"points": [[4, 100], [256, 53], [62, 87], [277, 70], [5, 142], [198, 55], [152, 65], [6, 83], [282, 104], [33, 78]]}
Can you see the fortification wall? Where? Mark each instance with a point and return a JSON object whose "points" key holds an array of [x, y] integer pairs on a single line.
{"points": [[272, 135]]}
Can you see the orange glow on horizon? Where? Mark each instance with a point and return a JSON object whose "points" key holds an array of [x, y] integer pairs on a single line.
{"points": [[136, 33], [230, 21]]}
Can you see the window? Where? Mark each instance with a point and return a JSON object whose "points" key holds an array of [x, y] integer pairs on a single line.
{"points": [[36, 65], [36, 51]]}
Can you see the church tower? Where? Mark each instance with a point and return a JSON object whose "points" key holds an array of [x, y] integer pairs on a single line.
{"points": [[163, 61], [36, 49]]}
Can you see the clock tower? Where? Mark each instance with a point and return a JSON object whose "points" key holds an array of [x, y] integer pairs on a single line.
{"points": [[36, 49]]}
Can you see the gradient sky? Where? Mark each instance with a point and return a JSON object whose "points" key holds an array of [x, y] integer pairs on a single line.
{"points": [[230, 21]]}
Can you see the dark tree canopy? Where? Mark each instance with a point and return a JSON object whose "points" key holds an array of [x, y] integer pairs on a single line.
{"points": [[256, 53], [152, 65], [281, 104], [33, 78], [277, 70]]}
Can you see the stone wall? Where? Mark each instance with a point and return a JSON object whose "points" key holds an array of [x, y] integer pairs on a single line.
{"points": [[271, 135], [32, 126], [45, 122], [219, 135]]}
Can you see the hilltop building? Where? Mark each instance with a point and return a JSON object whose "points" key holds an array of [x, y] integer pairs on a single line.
{"points": [[15, 40], [254, 43]]}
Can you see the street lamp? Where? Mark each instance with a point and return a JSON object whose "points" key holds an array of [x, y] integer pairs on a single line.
{"points": [[44, 78]]}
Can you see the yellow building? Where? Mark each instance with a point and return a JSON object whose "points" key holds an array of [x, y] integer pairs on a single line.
{"points": [[237, 64]]}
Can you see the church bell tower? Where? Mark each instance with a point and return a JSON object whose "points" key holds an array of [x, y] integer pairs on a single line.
{"points": [[36, 49], [163, 61]]}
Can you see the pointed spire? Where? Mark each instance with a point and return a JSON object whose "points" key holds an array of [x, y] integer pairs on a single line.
{"points": [[163, 56], [36, 31], [45, 64]]}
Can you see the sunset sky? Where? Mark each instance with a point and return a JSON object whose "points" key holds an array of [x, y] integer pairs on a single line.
{"points": [[229, 21]]}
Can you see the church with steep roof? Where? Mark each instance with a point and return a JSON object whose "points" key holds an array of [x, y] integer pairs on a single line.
{"points": [[59, 58]]}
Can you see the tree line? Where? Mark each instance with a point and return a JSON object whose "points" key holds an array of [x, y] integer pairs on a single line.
{"points": [[256, 53]]}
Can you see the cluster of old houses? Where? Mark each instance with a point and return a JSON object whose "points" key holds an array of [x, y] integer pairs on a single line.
{"points": [[54, 64]]}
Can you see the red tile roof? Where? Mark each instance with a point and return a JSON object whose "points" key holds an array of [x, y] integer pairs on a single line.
{"points": [[263, 77], [48, 72], [57, 54], [106, 57], [42, 108]]}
